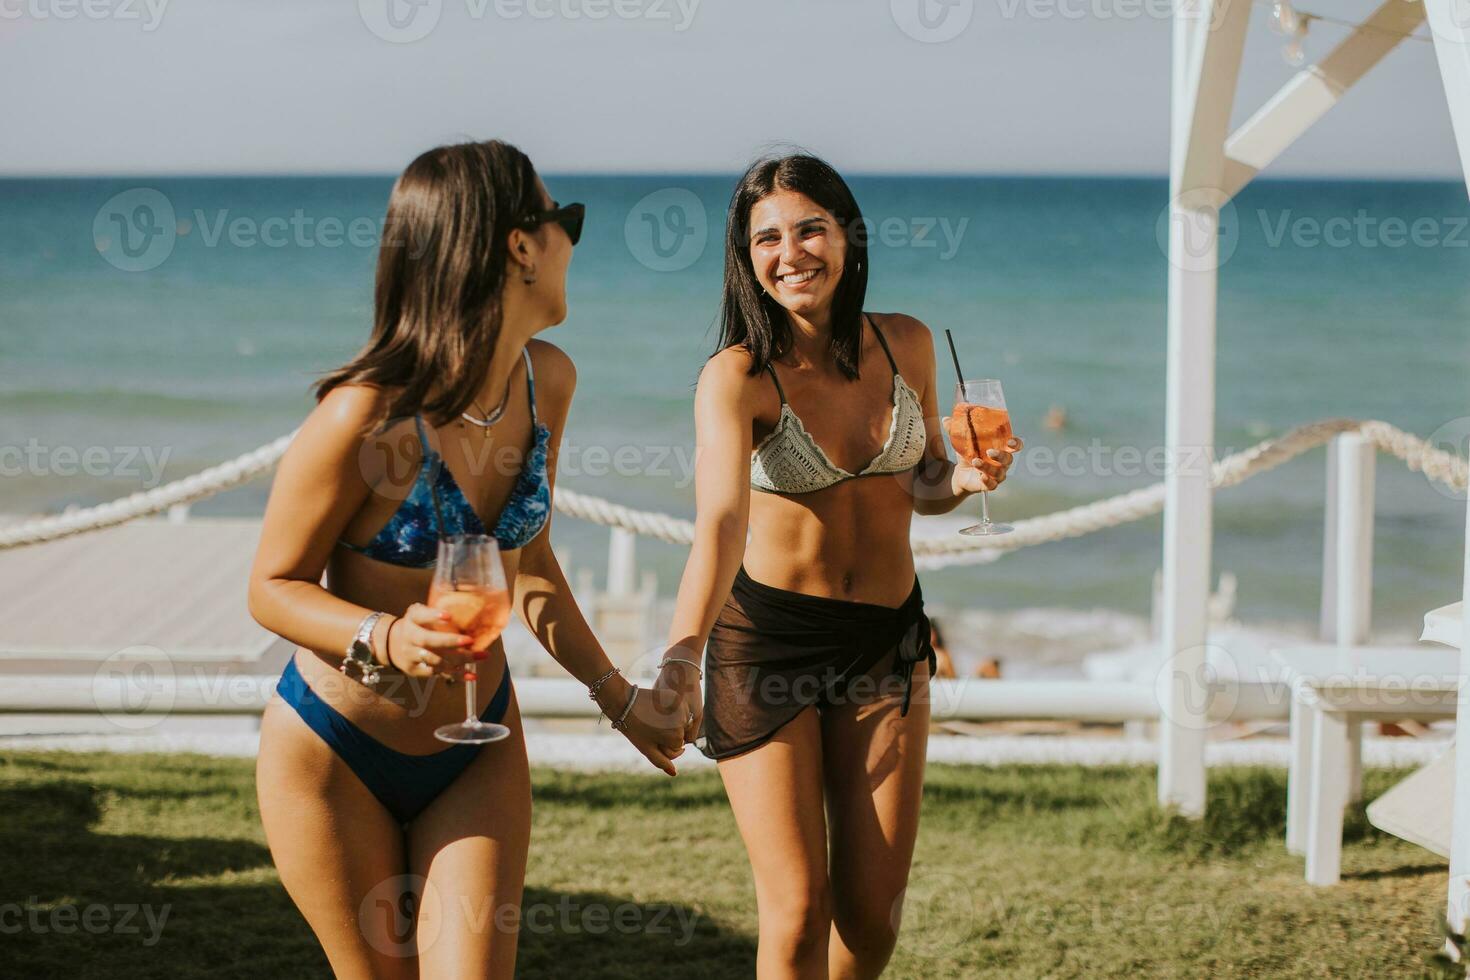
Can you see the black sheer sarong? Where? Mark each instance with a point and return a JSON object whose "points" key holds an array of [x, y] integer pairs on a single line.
{"points": [[773, 653]]}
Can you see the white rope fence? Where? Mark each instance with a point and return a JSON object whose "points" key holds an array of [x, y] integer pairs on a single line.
{"points": [[1417, 454]]}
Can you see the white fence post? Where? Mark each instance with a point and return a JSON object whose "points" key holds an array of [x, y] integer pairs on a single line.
{"points": [[622, 563], [1353, 589]]}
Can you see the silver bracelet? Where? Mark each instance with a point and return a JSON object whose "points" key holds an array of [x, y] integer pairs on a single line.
{"points": [[680, 660], [596, 685], [622, 723]]}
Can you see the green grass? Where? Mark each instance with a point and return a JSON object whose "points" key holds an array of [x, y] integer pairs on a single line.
{"points": [[1020, 872]]}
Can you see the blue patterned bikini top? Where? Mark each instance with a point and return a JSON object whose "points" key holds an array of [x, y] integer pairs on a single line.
{"points": [[435, 505]]}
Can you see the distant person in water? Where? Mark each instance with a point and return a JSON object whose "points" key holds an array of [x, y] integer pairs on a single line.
{"points": [[818, 432]]}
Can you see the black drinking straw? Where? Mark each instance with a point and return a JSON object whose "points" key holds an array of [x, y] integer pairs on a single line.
{"points": [[958, 374]]}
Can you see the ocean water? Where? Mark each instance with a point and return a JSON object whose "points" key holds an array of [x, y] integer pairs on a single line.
{"points": [[151, 327]]}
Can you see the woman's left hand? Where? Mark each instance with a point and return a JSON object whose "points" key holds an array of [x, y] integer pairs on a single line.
{"points": [[984, 473], [680, 683]]}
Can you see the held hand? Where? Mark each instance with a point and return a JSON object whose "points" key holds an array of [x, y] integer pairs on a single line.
{"points": [[684, 680], [983, 473], [653, 726], [423, 643]]}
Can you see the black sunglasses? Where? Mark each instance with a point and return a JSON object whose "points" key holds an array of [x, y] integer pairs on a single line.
{"points": [[569, 216]]}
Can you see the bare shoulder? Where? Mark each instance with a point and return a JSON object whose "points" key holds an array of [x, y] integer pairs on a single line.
{"points": [[337, 426], [912, 344], [905, 333], [726, 378], [555, 372], [346, 414]]}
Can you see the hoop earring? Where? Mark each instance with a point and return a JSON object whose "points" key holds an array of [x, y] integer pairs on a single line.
{"points": [[529, 277]]}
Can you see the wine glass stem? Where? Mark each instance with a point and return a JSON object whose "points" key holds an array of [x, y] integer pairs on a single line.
{"points": [[471, 698], [984, 507]]}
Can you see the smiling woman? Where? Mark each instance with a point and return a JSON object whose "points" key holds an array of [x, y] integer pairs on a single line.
{"points": [[783, 250], [814, 701]]}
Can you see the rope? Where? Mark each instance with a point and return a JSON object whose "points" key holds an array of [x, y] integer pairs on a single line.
{"points": [[1417, 454], [205, 483]]}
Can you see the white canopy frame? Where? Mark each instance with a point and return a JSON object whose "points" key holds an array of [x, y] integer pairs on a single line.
{"points": [[1208, 166], [1449, 22]]}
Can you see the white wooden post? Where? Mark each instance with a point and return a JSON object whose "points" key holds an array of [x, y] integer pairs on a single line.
{"points": [[1353, 609], [1299, 768], [1206, 62], [1329, 746], [622, 564], [1347, 612], [1327, 623], [1451, 36]]}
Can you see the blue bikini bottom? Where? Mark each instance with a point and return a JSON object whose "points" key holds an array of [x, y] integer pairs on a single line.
{"points": [[404, 784]]}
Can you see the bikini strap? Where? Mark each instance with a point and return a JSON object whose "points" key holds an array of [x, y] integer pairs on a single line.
{"points": [[418, 421], [435, 462], [779, 390], [879, 334], [530, 383]]}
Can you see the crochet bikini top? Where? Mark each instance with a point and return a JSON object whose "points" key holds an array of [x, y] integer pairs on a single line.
{"points": [[790, 461]]}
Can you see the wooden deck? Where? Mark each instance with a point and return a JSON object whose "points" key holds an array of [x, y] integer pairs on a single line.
{"points": [[177, 587]]}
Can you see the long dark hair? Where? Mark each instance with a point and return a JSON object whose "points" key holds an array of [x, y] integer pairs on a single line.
{"points": [[752, 319], [441, 272]]}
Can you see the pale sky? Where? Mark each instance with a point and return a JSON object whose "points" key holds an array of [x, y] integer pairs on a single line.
{"points": [[311, 86]]}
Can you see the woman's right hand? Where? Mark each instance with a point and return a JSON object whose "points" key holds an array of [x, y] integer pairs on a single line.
{"points": [[423, 642]]}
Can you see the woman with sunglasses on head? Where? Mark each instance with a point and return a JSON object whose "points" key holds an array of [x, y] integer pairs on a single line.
{"points": [[818, 432], [447, 422]]}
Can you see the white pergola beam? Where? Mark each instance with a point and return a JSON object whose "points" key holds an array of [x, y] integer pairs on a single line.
{"points": [[1207, 54], [1310, 93], [1451, 33], [1214, 43]]}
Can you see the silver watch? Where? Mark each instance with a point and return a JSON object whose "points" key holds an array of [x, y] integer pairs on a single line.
{"points": [[359, 652]]}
